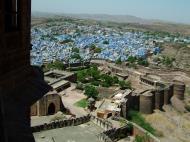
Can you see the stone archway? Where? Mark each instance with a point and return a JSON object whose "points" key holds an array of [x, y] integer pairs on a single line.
{"points": [[51, 109]]}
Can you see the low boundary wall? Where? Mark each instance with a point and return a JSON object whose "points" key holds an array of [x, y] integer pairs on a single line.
{"points": [[114, 134], [106, 125], [139, 131], [61, 124]]}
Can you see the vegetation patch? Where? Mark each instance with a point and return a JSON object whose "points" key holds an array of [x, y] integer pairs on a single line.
{"points": [[187, 91], [134, 61], [91, 91], [55, 65], [137, 118], [142, 138], [82, 103], [187, 107], [123, 122], [167, 61], [94, 77]]}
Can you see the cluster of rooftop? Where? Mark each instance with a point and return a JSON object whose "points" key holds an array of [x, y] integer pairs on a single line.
{"points": [[56, 40]]}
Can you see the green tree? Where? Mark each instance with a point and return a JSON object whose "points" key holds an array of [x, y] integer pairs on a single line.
{"points": [[131, 59], [76, 56], [125, 85], [93, 47], [97, 50], [107, 80], [56, 65], [81, 76], [75, 50], [115, 80], [143, 62], [118, 61], [94, 73], [91, 91]]}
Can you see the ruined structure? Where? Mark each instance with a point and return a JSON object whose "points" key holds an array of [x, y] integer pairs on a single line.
{"points": [[50, 104], [20, 84], [58, 75]]}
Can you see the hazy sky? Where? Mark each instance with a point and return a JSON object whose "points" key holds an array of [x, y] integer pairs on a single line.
{"points": [[170, 10]]}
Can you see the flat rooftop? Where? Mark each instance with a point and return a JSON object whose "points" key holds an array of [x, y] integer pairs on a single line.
{"points": [[83, 133], [109, 106], [60, 83], [50, 80], [59, 72], [55, 77]]}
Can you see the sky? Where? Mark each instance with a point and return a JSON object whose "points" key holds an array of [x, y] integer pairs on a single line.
{"points": [[168, 10]]}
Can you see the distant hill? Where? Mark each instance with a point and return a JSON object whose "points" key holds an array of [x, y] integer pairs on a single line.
{"points": [[112, 18], [98, 17], [134, 22]]}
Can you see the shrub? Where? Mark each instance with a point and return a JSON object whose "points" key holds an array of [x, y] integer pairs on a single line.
{"points": [[137, 118], [187, 107], [118, 61], [131, 59], [91, 91], [75, 50], [95, 83], [55, 65], [82, 103], [124, 85], [115, 80], [81, 75], [143, 62], [107, 80]]}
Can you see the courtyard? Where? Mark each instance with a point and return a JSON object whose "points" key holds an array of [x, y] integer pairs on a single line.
{"points": [[83, 133]]}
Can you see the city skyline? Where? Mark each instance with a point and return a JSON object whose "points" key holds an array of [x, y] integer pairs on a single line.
{"points": [[167, 10]]}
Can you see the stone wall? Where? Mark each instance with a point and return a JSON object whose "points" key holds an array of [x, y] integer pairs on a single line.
{"points": [[165, 92], [114, 134], [61, 124], [76, 64], [106, 125], [106, 92], [72, 78], [139, 131]]}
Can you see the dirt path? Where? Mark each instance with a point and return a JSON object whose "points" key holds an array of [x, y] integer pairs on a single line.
{"points": [[70, 98]]}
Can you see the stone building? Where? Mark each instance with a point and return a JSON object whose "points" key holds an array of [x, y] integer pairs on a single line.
{"points": [[16, 72], [61, 75], [50, 104]]}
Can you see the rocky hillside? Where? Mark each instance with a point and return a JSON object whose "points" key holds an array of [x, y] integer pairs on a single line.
{"points": [[181, 55]]}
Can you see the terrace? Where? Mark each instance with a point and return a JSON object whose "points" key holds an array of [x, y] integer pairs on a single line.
{"points": [[83, 133]]}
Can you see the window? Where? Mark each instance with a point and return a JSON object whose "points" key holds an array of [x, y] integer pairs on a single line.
{"points": [[11, 15]]}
